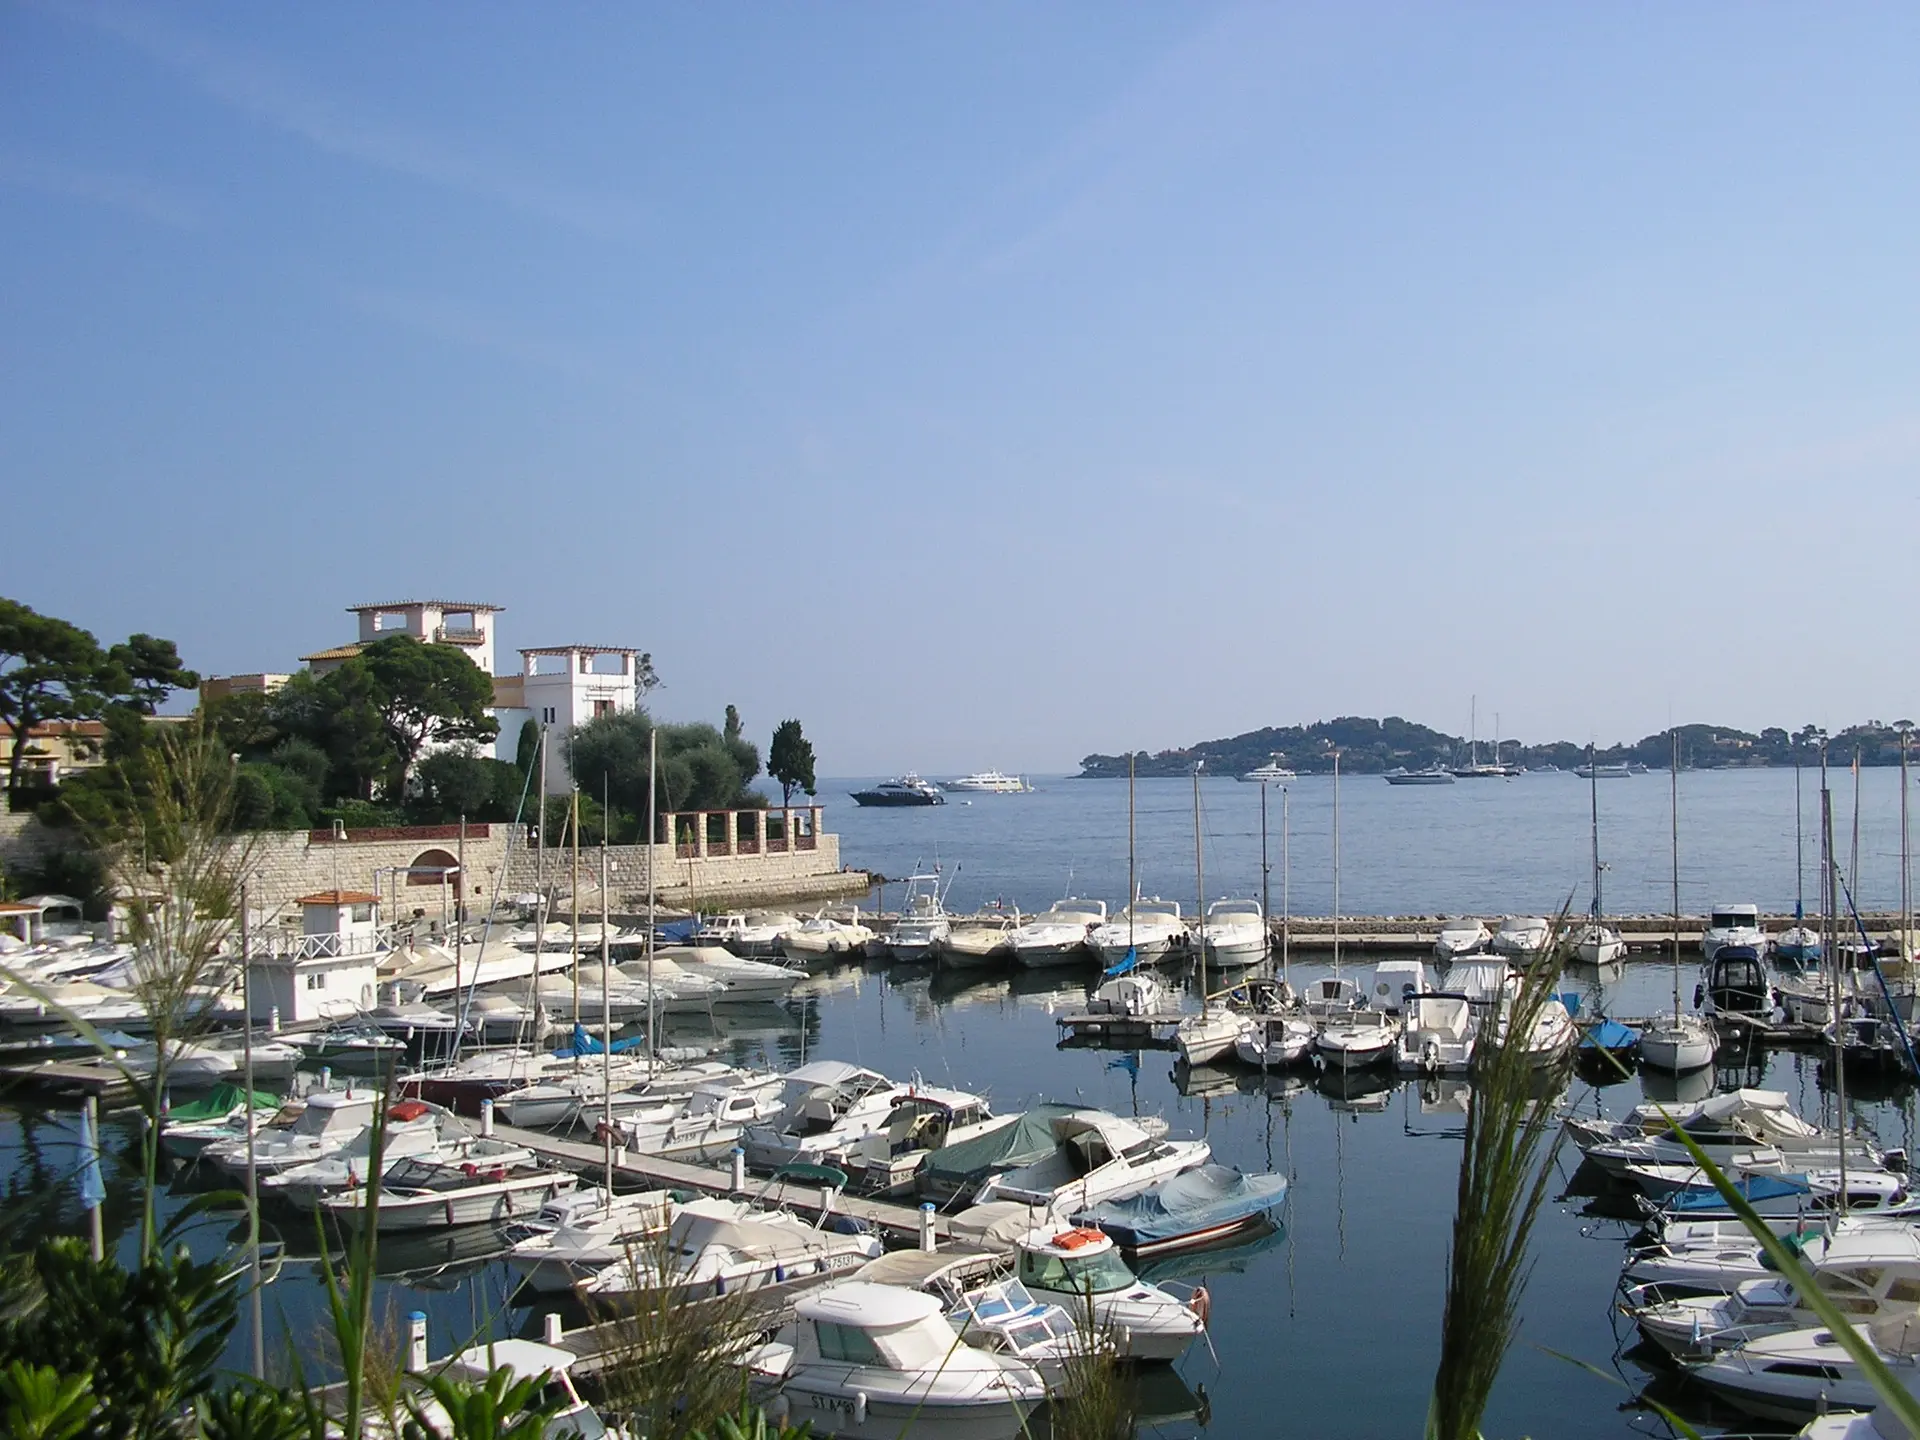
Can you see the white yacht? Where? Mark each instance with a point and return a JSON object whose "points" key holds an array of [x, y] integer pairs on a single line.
{"points": [[1059, 936], [874, 1362], [716, 1246], [1553, 1035], [711, 1122], [1358, 1040], [1437, 1035], [987, 782], [1464, 936], [822, 937], [826, 1106], [1067, 1265], [1733, 925], [1272, 1041], [1522, 937], [1796, 1374], [329, 1121], [923, 925], [1136, 995], [977, 944], [1598, 944], [741, 980], [1151, 928], [1677, 1043], [1209, 1035], [419, 1194], [1236, 933], [1097, 1156], [1272, 771]]}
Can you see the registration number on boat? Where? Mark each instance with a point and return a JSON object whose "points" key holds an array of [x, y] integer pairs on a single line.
{"points": [[839, 1405]]}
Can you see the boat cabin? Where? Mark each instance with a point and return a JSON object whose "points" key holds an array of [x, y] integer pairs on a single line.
{"points": [[528, 1360], [1072, 1262], [874, 1326], [1394, 981], [1737, 982], [922, 1121], [819, 1095]]}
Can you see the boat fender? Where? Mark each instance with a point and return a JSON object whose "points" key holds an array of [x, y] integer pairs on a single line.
{"points": [[1201, 1304], [859, 1407], [1430, 1056], [1699, 994]]}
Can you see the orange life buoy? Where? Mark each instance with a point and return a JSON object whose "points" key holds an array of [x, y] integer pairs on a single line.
{"points": [[1201, 1304]]}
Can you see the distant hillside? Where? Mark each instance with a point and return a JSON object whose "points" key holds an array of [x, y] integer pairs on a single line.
{"points": [[1368, 747]]}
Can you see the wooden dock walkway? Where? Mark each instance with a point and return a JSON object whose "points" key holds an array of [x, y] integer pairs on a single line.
{"points": [[655, 1173]]}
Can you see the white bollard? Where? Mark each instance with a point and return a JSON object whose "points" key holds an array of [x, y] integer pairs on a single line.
{"points": [[739, 1168], [926, 1228], [486, 1119], [326, 1078], [826, 1202], [273, 1021], [417, 1341], [553, 1327]]}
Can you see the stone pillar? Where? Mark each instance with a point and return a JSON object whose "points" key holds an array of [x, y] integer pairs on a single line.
{"points": [[813, 827], [760, 831], [733, 832], [786, 829], [700, 833]]}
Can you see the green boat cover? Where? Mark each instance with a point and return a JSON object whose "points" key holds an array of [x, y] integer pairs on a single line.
{"points": [[1027, 1141], [221, 1102]]}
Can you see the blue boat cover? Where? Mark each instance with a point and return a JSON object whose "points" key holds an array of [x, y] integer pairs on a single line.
{"points": [[1609, 1035], [676, 932], [1198, 1201], [585, 1044], [1753, 1189]]}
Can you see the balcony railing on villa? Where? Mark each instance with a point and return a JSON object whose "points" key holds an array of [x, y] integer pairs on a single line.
{"points": [[449, 635], [707, 834]]}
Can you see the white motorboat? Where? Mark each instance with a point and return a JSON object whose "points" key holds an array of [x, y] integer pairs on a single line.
{"points": [[1001, 1316], [1870, 1273], [715, 1246], [433, 972], [1274, 1041], [987, 782], [1067, 1265], [707, 1126], [977, 944], [1522, 937], [1431, 775], [413, 1128], [1552, 1036], [524, 1360], [825, 1107], [752, 935], [1331, 998], [1357, 1041], [821, 937], [188, 1063], [1394, 983], [190, 1130], [1137, 994], [324, 1126], [915, 937], [1273, 772], [1464, 936], [1151, 928], [741, 980], [1437, 1035], [923, 1120], [1236, 933], [1097, 1156], [1059, 936], [1733, 925], [1796, 1374], [1210, 1034], [601, 993], [577, 1243], [874, 1362], [1738, 1123], [419, 1194]]}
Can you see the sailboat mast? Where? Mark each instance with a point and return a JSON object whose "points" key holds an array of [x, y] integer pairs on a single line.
{"points": [[1673, 804], [1593, 800], [573, 820], [1336, 864], [1830, 920], [1799, 850], [1286, 885], [606, 983], [653, 819], [1906, 865], [1133, 884], [1266, 870], [1853, 857], [1199, 882], [540, 863]]}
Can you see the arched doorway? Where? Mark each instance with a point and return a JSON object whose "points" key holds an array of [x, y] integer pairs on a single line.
{"points": [[430, 867]]}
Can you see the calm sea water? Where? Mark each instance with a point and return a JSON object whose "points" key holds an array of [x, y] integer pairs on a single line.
{"points": [[1332, 1328], [1479, 846]]}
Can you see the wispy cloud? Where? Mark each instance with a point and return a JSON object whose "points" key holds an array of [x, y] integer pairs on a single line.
{"points": [[259, 88], [130, 194]]}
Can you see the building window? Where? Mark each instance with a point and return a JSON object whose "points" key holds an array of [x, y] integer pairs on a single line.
{"points": [[317, 980], [602, 707], [362, 914], [389, 620], [547, 715]]}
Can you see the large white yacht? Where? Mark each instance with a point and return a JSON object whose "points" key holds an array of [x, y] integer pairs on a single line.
{"points": [[1733, 925], [987, 782], [1272, 770]]}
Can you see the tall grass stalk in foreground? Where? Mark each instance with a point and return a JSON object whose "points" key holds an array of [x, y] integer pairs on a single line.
{"points": [[1505, 1168], [1095, 1404]]}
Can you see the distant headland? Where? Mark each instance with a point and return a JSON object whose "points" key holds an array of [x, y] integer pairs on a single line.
{"points": [[1372, 747]]}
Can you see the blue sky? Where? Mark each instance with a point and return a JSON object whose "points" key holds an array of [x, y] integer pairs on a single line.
{"points": [[988, 384]]}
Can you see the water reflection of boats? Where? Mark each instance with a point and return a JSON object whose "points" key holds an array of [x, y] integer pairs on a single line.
{"points": [[1160, 1397], [1669, 1088], [1199, 1080], [431, 1259], [1360, 1092], [1234, 1258], [1274, 1084]]}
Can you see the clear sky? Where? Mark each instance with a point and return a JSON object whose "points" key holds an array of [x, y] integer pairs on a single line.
{"points": [[988, 384]]}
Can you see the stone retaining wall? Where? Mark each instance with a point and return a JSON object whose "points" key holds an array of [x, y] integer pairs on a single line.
{"points": [[287, 864], [708, 883]]}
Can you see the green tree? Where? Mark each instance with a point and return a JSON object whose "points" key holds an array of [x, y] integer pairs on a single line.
{"points": [[153, 671], [449, 784], [746, 755], [50, 669], [790, 761], [425, 692], [698, 770]]}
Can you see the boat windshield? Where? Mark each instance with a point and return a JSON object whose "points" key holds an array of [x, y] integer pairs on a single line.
{"points": [[1731, 920], [1101, 1273]]}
